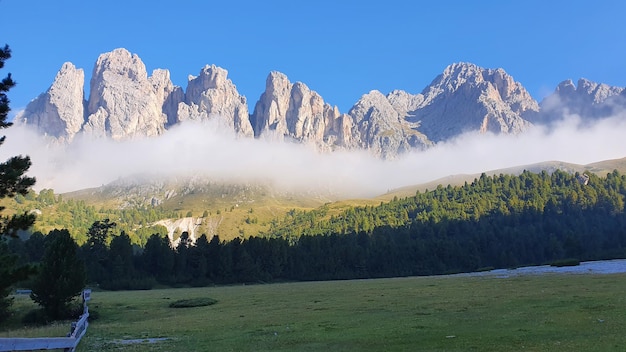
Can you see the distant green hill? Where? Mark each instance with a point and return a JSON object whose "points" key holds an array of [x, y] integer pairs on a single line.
{"points": [[600, 168]]}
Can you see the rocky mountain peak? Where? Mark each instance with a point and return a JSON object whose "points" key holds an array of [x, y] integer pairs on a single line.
{"points": [[587, 99], [404, 102], [466, 97], [59, 112], [212, 95], [167, 93], [123, 103], [210, 77], [119, 62], [591, 92], [566, 87], [598, 92], [381, 127], [294, 111]]}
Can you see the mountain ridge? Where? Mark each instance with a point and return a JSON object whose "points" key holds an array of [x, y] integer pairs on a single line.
{"points": [[125, 102]]}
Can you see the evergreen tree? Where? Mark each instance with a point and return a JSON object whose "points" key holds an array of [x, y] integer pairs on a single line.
{"points": [[12, 183], [34, 246], [96, 249], [61, 276], [121, 268], [12, 179], [10, 273], [158, 258]]}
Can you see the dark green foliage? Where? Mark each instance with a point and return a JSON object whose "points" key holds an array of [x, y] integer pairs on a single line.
{"points": [[95, 250], [146, 283], [36, 317], [494, 222], [157, 259], [61, 276], [34, 247], [11, 272], [12, 183], [565, 262], [119, 271], [40, 317], [12, 179], [193, 302]]}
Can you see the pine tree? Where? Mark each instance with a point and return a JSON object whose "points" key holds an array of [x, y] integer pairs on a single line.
{"points": [[12, 183], [61, 276], [12, 179], [96, 249]]}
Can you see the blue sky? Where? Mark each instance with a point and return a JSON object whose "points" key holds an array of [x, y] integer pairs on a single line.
{"points": [[341, 49]]}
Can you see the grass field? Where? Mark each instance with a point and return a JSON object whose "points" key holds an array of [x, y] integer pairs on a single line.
{"points": [[449, 313]]}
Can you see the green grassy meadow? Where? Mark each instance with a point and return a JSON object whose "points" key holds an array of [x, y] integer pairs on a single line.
{"points": [[447, 313]]}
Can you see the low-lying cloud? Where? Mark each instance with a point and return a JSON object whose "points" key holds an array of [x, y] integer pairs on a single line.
{"points": [[203, 149]]}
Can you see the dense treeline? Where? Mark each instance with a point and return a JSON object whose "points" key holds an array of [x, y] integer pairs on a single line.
{"points": [[496, 221]]}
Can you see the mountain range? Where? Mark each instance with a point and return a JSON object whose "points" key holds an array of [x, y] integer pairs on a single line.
{"points": [[124, 102]]}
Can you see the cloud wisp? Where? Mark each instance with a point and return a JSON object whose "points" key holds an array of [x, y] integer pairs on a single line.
{"points": [[203, 149]]}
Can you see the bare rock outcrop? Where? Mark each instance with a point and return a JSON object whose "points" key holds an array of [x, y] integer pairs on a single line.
{"points": [[123, 102], [126, 103], [466, 97], [167, 94], [59, 112], [383, 130], [212, 95], [588, 100], [293, 111]]}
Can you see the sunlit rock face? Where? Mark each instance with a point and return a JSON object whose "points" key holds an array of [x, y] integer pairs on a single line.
{"points": [[466, 98], [382, 128], [167, 94], [123, 102], [293, 111], [211, 95], [60, 111], [587, 100]]}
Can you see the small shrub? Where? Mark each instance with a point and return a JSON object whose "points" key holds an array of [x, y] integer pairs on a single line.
{"points": [[93, 315], [36, 317], [193, 302], [74, 310]]}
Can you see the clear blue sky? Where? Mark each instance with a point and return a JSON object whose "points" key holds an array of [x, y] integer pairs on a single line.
{"points": [[341, 49]]}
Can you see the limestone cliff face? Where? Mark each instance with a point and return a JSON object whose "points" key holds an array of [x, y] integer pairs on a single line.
{"points": [[381, 127], [466, 98], [167, 94], [126, 103], [212, 95], [123, 103], [294, 111], [588, 100], [59, 112]]}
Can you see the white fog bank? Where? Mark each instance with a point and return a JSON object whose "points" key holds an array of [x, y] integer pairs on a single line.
{"points": [[195, 148]]}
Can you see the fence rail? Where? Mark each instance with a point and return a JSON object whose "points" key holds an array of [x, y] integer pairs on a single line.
{"points": [[37, 343], [69, 343]]}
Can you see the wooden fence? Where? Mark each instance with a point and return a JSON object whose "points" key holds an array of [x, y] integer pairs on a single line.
{"points": [[69, 343]]}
